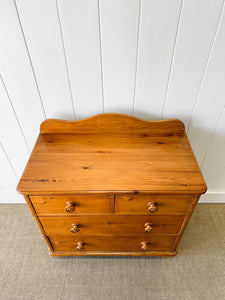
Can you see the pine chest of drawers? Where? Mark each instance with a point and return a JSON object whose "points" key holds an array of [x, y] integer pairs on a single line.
{"points": [[112, 185]]}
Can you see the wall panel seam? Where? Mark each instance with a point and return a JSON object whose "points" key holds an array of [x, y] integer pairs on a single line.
{"points": [[100, 47], [137, 54], [65, 58], [29, 56], [212, 137], [9, 161], [14, 111], [206, 66], [172, 58]]}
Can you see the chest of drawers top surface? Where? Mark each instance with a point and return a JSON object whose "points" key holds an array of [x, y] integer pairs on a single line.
{"points": [[112, 153]]}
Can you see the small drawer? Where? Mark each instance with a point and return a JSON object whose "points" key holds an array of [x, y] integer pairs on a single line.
{"points": [[153, 204], [112, 225], [71, 205], [117, 243]]}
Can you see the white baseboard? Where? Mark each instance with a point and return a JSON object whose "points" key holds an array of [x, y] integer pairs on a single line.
{"points": [[209, 197], [213, 197], [11, 198]]}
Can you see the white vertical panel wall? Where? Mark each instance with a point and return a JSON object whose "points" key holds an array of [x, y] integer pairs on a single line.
{"points": [[18, 74], [71, 59], [79, 21], [119, 22], [196, 31], [158, 29], [40, 24]]}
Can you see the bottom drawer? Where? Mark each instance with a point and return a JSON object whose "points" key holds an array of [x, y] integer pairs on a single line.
{"points": [[106, 243]]}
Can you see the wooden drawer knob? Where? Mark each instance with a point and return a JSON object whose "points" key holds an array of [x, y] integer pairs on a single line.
{"points": [[80, 245], [144, 245], [75, 228], [152, 206], [148, 227], [70, 206]]}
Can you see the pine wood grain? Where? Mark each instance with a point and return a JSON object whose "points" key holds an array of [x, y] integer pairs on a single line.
{"points": [[111, 225], [111, 123], [118, 243], [113, 253], [112, 185], [166, 204], [132, 158], [50, 205]]}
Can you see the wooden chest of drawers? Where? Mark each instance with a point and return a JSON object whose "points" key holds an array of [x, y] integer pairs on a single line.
{"points": [[112, 185]]}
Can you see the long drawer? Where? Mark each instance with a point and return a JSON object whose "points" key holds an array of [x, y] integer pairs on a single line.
{"points": [[112, 225], [106, 243], [153, 204], [71, 205]]}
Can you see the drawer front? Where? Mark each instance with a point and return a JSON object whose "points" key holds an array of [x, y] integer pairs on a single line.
{"points": [[112, 225], [153, 204], [120, 243], [71, 205]]}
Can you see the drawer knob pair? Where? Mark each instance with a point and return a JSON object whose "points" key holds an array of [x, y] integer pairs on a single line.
{"points": [[70, 206], [80, 245], [152, 206], [75, 228]]}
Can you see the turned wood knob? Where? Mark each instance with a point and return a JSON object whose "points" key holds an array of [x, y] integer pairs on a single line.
{"points": [[152, 206], [144, 245], [148, 227], [80, 245], [75, 228], [70, 206]]}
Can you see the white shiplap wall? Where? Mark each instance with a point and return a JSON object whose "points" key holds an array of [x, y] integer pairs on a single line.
{"points": [[71, 59]]}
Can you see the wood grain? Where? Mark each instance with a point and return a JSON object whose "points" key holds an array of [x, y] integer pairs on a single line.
{"points": [[32, 210], [113, 253], [167, 204], [51, 205], [119, 243], [133, 158], [111, 123], [112, 184], [186, 220], [111, 225]]}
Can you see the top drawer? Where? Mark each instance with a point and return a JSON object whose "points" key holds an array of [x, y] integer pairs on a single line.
{"points": [[153, 204], [71, 205]]}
